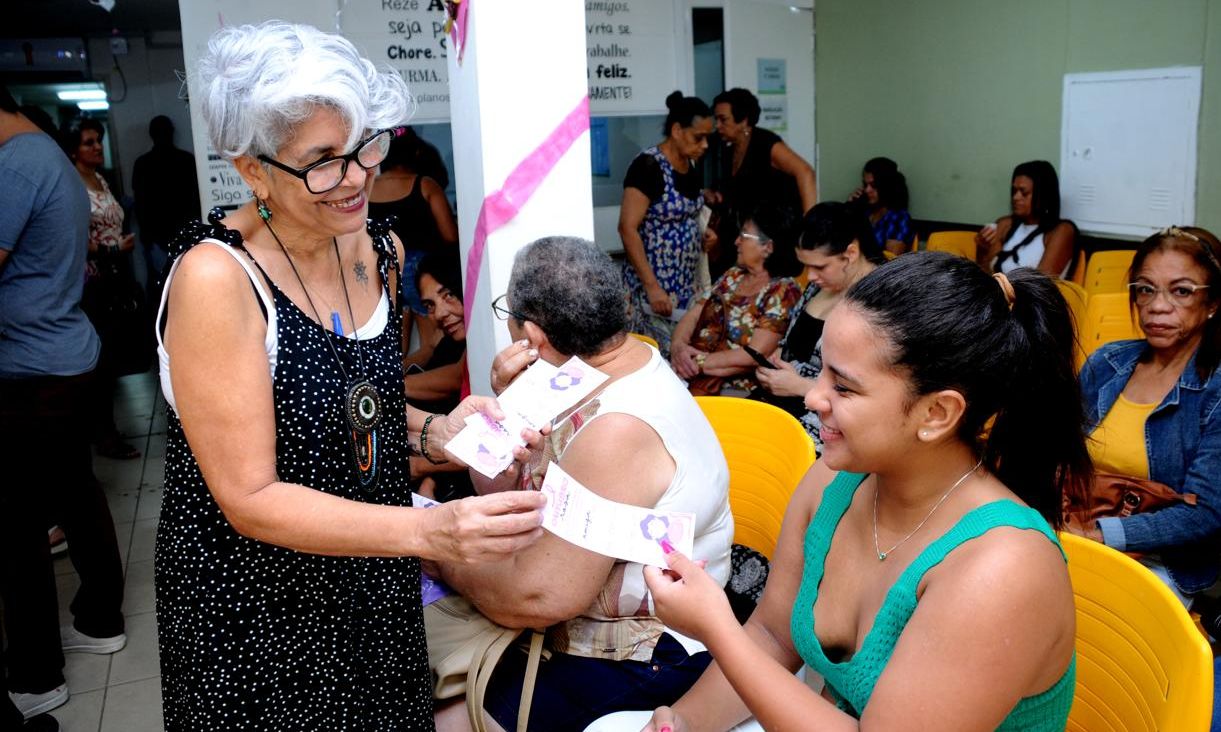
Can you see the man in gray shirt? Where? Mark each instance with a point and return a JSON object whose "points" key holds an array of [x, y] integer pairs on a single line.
{"points": [[48, 351]]}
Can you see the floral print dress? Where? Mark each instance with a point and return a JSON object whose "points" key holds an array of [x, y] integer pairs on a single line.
{"points": [[740, 315], [105, 225], [670, 232]]}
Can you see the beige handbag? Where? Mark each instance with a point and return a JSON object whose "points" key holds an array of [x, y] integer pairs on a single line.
{"points": [[463, 650]]}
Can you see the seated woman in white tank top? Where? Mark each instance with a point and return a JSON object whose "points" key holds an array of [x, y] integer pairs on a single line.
{"points": [[1033, 235]]}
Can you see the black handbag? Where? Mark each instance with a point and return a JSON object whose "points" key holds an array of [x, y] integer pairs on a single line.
{"points": [[115, 304]]}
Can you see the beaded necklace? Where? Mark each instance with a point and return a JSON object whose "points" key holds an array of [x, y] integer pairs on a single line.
{"points": [[362, 403]]}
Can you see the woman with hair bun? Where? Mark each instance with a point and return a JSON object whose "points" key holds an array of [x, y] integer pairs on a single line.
{"points": [[287, 557], [917, 569], [659, 220], [837, 249]]}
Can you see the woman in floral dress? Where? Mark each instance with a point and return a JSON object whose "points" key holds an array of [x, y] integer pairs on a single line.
{"points": [[658, 221], [749, 305]]}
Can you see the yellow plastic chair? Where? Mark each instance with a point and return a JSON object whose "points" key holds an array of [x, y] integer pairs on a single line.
{"points": [[1108, 317], [1076, 298], [1079, 268], [645, 339], [1108, 271], [1141, 662], [768, 452], [961, 243], [915, 247]]}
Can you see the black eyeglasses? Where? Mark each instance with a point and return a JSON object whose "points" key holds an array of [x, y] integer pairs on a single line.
{"points": [[326, 174], [503, 312]]}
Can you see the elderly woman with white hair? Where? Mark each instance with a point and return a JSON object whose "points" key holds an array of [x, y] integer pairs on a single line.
{"points": [[287, 556]]}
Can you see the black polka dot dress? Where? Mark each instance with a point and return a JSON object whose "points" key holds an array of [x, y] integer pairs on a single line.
{"points": [[258, 637]]}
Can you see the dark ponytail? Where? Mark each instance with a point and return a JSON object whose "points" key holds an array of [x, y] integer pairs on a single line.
{"points": [[952, 328], [683, 111], [832, 225]]}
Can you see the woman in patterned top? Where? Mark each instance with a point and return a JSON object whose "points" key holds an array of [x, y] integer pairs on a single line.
{"points": [[883, 193], [748, 306], [658, 221], [82, 141], [837, 249], [286, 563]]}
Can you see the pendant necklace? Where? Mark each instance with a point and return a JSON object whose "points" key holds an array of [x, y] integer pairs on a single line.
{"points": [[362, 403], [883, 554]]}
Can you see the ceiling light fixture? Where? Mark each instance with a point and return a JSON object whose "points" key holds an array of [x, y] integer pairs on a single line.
{"points": [[81, 95]]}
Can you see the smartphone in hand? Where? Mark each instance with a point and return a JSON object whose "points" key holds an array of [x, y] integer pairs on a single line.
{"points": [[759, 358]]}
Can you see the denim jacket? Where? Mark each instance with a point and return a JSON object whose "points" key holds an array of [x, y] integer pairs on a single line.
{"points": [[1183, 442]]}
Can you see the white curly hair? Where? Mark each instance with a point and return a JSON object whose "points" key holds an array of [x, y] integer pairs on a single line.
{"points": [[256, 83]]}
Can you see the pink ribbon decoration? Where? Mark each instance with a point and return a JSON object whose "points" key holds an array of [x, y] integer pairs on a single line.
{"points": [[457, 26], [500, 207]]}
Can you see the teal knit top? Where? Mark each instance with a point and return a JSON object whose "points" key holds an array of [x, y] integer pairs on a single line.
{"points": [[851, 682]]}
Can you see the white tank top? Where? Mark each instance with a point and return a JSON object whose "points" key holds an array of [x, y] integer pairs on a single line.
{"points": [[371, 329], [1029, 255], [656, 396]]}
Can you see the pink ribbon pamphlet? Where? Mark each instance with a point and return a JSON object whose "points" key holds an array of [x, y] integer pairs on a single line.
{"points": [[540, 394], [431, 588], [632, 533]]}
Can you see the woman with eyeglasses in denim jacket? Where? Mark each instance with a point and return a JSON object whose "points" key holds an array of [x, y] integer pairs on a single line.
{"points": [[1163, 394]]}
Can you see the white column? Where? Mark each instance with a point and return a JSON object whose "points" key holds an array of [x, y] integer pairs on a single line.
{"points": [[522, 73]]}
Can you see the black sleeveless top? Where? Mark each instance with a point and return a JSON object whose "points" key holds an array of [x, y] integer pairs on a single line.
{"points": [[411, 218], [259, 637]]}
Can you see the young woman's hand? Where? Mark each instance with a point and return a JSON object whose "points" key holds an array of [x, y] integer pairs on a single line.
{"points": [[783, 380], [687, 599], [665, 719]]}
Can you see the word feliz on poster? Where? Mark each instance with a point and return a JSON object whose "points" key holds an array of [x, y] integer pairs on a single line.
{"points": [[631, 59]]}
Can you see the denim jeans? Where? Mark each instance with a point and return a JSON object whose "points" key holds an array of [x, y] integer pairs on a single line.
{"points": [[573, 691]]}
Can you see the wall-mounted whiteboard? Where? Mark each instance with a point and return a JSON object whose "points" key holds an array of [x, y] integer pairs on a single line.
{"points": [[1128, 149]]}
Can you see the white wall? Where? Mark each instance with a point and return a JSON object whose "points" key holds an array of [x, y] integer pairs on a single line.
{"points": [[753, 29], [757, 29]]}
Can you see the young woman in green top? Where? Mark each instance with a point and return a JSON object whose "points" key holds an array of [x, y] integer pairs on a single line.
{"points": [[923, 580]]}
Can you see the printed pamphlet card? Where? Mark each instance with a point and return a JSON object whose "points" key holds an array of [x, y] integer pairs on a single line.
{"points": [[538, 396], [676, 314], [632, 533], [431, 588]]}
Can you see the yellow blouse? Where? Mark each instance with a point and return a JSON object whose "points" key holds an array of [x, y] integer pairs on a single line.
{"points": [[1117, 444]]}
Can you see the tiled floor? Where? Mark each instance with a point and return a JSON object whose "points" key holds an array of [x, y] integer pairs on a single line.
{"points": [[122, 692]]}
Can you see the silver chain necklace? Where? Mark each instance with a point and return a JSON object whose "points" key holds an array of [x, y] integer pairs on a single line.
{"points": [[883, 554]]}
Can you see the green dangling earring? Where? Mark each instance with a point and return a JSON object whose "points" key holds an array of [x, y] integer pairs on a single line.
{"points": [[264, 212]]}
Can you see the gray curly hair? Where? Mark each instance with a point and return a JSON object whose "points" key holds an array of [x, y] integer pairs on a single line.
{"points": [[573, 291], [256, 83]]}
